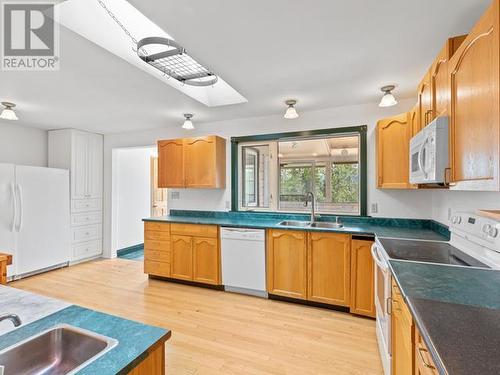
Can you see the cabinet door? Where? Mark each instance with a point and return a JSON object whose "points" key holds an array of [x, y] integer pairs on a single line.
{"points": [[440, 89], [95, 166], [425, 101], [200, 154], [362, 278], [287, 263], [402, 348], [170, 164], [182, 257], [414, 120], [206, 260], [79, 165], [474, 82], [393, 141], [329, 270]]}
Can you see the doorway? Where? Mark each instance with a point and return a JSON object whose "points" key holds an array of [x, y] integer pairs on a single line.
{"points": [[135, 196]]}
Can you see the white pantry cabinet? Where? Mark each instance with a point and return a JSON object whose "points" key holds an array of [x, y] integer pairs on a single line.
{"points": [[82, 153]]}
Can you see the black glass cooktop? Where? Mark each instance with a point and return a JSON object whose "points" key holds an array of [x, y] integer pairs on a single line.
{"points": [[427, 251]]}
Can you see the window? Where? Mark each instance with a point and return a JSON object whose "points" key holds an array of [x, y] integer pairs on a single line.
{"points": [[274, 174]]}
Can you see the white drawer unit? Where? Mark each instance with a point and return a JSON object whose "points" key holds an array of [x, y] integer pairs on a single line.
{"points": [[86, 233], [86, 205], [86, 218], [87, 249]]}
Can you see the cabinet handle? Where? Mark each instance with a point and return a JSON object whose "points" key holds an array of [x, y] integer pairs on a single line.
{"points": [[420, 350], [447, 176], [388, 305]]}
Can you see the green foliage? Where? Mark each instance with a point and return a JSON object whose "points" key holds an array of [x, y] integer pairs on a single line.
{"points": [[345, 183]]}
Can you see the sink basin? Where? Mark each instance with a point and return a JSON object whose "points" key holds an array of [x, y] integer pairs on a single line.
{"points": [[293, 223], [322, 224], [63, 349]]}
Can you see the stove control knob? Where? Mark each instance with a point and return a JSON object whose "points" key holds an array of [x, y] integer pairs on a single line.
{"points": [[487, 228], [459, 219], [493, 232]]}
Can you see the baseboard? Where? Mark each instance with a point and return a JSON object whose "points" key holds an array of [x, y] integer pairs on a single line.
{"points": [[130, 249]]}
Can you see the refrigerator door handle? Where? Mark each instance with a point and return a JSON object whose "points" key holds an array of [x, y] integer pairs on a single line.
{"points": [[21, 207], [14, 206]]}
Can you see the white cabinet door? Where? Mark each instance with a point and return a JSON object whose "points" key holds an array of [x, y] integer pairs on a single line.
{"points": [[79, 165], [95, 162]]}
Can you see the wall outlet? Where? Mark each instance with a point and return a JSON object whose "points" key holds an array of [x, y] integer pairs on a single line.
{"points": [[175, 195], [228, 205], [374, 209]]}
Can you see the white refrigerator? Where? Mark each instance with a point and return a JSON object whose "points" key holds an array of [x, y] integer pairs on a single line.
{"points": [[34, 218]]}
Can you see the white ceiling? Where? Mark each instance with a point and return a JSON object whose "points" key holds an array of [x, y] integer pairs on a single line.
{"points": [[324, 53]]}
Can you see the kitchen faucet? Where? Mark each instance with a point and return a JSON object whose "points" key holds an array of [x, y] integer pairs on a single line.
{"points": [[13, 318], [308, 195]]}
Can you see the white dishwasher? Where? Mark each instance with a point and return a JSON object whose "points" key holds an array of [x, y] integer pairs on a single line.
{"points": [[244, 260]]}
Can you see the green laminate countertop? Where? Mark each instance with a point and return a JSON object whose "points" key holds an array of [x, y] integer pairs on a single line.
{"points": [[134, 339], [363, 226], [457, 312]]}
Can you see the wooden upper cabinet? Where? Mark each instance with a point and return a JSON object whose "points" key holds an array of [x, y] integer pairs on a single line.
{"points": [[393, 141], [328, 278], [414, 120], [424, 101], [474, 106], [205, 162], [287, 263], [440, 85], [206, 260], [192, 163], [170, 164], [362, 278]]}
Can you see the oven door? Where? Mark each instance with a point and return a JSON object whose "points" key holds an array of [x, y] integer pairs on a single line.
{"points": [[382, 302]]}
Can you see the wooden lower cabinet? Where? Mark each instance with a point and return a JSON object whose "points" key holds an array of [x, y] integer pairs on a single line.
{"points": [[153, 364], [362, 278], [206, 261], [157, 252], [402, 335], [182, 257], [328, 258], [287, 263], [313, 266], [424, 365]]}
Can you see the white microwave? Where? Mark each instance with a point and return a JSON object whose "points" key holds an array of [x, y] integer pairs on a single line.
{"points": [[429, 157]]}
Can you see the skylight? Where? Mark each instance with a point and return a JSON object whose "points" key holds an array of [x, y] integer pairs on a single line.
{"points": [[88, 19]]}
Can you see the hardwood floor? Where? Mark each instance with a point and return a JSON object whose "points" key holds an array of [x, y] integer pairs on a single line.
{"points": [[215, 332]]}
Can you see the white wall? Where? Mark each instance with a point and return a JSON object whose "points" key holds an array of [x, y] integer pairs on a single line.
{"points": [[22, 145], [443, 201], [411, 204], [131, 195]]}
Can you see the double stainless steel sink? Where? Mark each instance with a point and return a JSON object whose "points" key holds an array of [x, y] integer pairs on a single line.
{"points": [[63, 349], [308, 224]]}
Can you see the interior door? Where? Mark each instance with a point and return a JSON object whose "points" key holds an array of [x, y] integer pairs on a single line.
{"points": [[43, 223], [7, 213], [158, 195]]}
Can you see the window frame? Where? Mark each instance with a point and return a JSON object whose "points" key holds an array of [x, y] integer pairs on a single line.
{"points": [[308, 134]]}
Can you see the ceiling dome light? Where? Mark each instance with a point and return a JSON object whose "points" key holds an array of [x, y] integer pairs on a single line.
{"points": [[388, 100], [8, 112], [188, 124], [291, 112]]}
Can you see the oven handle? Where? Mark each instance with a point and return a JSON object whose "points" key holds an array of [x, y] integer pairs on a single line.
{"points": [[377, 259]]}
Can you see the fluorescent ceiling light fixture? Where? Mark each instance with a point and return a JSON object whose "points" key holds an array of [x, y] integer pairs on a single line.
{"points": [[188, 124], [91, 21], [8, 112], [291, 112], [388, 100]]}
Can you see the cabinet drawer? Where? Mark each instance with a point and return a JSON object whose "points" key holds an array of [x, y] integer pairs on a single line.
{"points": [[86, 233], [157, 268], [400, 305], [160, 236], [86, 218], [157, 227], [196, 230], [157, 255], [87, 249], [85, 205], [157, 245]]}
